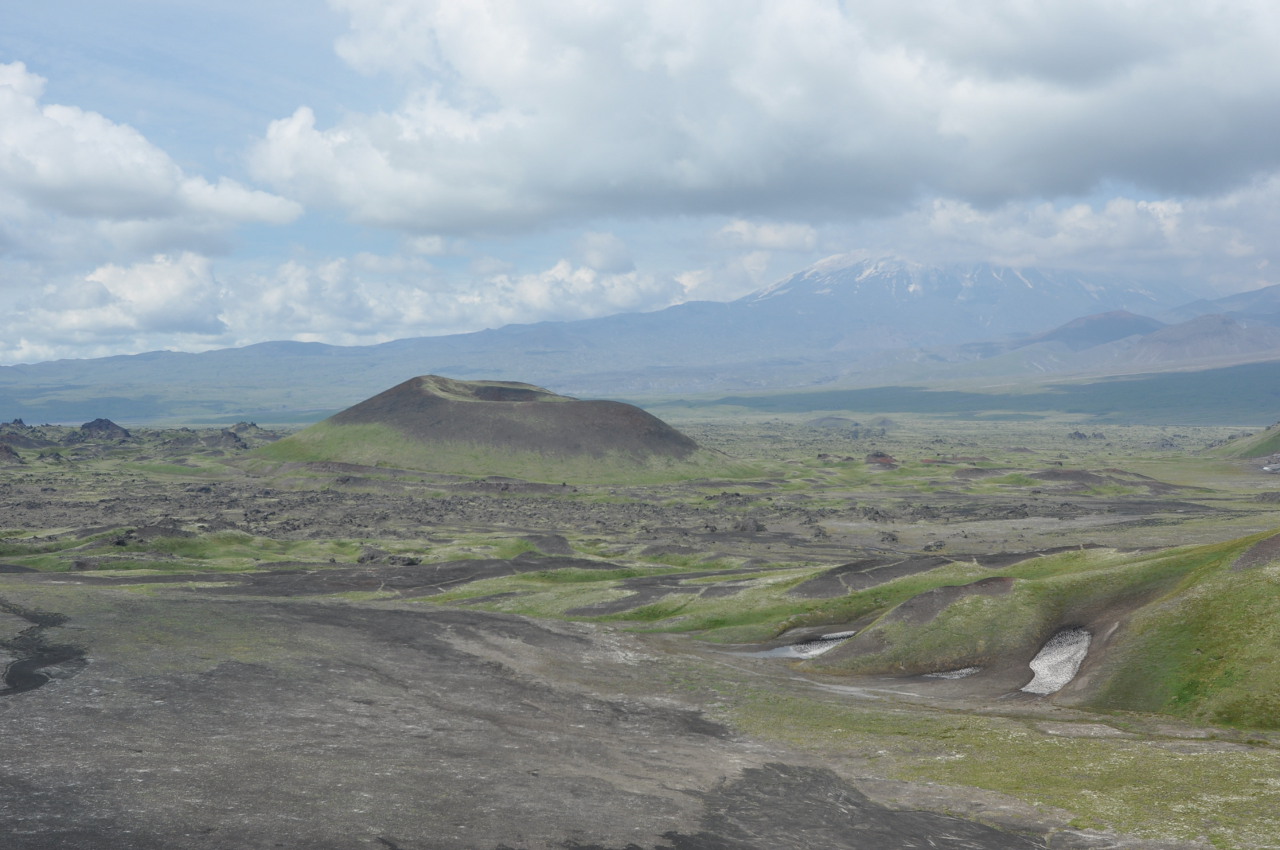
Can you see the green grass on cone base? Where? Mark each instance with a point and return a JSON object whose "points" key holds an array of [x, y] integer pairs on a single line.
{"points": [[379, 445]]}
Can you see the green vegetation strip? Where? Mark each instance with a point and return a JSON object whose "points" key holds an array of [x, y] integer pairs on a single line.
{"points": [[381, 445]]}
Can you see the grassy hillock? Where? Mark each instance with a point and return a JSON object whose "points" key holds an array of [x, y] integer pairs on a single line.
{"points": [[1185, 631], [1210, 651], [1261, 444]]}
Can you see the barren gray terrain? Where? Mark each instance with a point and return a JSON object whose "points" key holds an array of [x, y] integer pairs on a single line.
{"points": [[202, 650]]}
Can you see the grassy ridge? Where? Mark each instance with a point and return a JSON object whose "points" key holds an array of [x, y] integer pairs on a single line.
{"points": [[1210, 651], [1264, 443], [1204, 642], [1048, 593]]}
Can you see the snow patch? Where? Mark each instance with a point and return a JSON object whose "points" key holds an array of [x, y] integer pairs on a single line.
{"points": [[808, 649], [1058, 661], [962, 673]]}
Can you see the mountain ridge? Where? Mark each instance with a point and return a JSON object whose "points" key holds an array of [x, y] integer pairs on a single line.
{"points": [[843, 321]]}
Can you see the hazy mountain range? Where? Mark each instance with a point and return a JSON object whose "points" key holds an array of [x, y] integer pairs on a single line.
{"points": [[844, 322]]}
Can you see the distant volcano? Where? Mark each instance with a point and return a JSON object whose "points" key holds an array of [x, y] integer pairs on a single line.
{"points": [[494, 427]]}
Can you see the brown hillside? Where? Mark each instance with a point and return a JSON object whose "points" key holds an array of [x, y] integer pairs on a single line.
{"points": [[510, 416]]}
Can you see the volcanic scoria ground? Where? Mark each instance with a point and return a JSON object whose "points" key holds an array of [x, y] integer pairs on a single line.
{"points": [[319, 699]]}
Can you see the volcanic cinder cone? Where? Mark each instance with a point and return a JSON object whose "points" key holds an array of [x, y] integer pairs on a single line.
{"points": [[494, 427]]}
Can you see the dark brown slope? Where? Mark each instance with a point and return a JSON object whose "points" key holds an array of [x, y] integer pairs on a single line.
{"points": [[511, 416]]}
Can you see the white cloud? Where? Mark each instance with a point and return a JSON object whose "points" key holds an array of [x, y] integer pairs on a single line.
{"points": [[1071, 43], [169, 294], [169, 301], [228, 200], [1223, 241], [379, 299], [66, 169], [178, 301], [566, 291], [518, 113], [732, 277], [552, 159]]}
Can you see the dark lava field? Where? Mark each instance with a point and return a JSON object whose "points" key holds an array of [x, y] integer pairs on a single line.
{"points": [[207, 647]]}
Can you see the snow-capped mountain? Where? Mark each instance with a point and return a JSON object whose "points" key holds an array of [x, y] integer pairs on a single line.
{"points": [[916, 304]]}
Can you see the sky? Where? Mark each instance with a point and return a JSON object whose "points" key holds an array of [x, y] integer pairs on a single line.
{"points": [[212, 173]]}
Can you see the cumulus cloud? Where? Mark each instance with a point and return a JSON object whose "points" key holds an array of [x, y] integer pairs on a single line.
{"points": [[179, 301], [1077, 43], [733, 276], [60, 163], [168, 301], [520, 112], [554, 159], [566, 291], [374, 298], [169, 295], [1223, 241]]}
